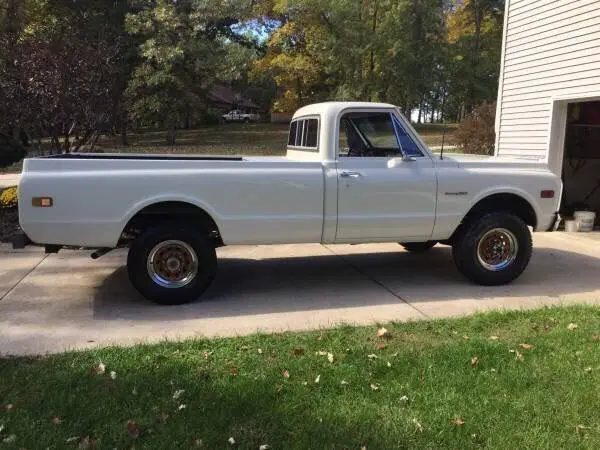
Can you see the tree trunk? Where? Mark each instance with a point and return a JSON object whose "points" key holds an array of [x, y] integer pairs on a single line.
{"points": [[171, 135]]}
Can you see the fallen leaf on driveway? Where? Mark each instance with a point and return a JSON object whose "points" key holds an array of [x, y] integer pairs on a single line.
{"points": [[286, 374], [572, 326], [375, 386], [383, 332], [133, 429], [474, 361], [458, 422], [526, 346], [178, 393], [56, 420], [330, 357]]}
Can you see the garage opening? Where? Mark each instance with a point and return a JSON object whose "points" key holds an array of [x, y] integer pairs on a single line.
{"points": [[581, 160]]}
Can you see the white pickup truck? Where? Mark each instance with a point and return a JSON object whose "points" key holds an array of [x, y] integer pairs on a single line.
{"points": [[353, 173], [238, 116]]}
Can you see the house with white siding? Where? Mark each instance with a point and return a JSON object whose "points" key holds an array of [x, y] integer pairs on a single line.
{"points": [[549, 92]]}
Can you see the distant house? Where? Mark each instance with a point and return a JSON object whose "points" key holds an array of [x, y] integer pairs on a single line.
{"points": [[549, 92], [224, 98]]}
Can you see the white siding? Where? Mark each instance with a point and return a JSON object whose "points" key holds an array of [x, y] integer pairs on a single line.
{"points": [[551, 50]]}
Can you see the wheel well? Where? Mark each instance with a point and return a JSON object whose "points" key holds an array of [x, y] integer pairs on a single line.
{"points": [[165, 211], [511, 203]]}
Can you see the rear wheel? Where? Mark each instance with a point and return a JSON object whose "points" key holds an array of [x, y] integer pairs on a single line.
{"points": [[494, 249], [418, 247], [172, 265]]}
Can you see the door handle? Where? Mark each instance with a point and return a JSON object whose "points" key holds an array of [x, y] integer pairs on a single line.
{"points": [[346, 174]]}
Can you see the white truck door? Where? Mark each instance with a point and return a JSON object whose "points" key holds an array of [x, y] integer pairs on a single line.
{"points": [[382, 196]]}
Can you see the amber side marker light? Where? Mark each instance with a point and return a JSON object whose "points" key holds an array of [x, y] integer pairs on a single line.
{"points": [[42, 202], [547, 194]]}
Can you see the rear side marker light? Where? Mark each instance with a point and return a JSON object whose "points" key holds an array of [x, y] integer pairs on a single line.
{"points": [[547, 194], [42, 202]]}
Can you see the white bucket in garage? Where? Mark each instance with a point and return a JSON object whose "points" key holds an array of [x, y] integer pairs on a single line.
{"points": [[571, 226], [586, 220]]}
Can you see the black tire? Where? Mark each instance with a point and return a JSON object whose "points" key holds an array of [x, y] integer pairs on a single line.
{"points": [[140, 272], [418, 247], [495, 232]]}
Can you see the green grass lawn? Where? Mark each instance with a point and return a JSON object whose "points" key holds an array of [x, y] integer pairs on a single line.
{"points": [[223, 139], [499, 380]]}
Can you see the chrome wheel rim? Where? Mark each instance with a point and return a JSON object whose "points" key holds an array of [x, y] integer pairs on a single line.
{"points": [[172, 264], [497, 249]]}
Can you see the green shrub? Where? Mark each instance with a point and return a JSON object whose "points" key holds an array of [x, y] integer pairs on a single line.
{"points": [[476, 134], [8, 198], [11, 151]]}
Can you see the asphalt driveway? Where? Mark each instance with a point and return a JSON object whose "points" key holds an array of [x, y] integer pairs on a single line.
{"points": [[64, 301]]}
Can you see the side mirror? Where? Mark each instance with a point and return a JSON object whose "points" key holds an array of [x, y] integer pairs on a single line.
{"points": [[395, 162]]}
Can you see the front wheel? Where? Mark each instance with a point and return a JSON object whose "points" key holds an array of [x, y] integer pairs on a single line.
{"points": [[172, 265], [493, 250], [418, 247]]}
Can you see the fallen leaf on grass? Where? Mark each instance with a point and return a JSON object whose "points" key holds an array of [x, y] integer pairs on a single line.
{"points": [[198, 443], [178, 393], [526, 346], [56, 420], [375, 386], [321, 353], [87, 442], [372, 356], [180, 407], [231, 440], [233, 371], [133, 429], [279, 387], [466, 338], [474, 361], [297, 351], [259, 351], [264, 447], [319, 337], [587, 369], [418, 425], [596, 338], [100, 369], [458, 422], [580, 429], [134, 391], [404, 398], [380, 346], [286, 374], [383, 332], [9, 407], [72, 439], [572, 326], [10, 438], [318, 378], [389, 364], [518, 355], [164, 417], [113, 375], [330, 357], [343, 382], [305, 383], [493, 338]]}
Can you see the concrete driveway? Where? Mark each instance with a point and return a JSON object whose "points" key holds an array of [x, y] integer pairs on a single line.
{"points": [[58, 302]]}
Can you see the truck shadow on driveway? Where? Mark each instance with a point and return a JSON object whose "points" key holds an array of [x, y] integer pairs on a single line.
{"points": [[347, 280]]}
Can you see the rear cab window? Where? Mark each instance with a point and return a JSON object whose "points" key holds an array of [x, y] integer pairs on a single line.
{"points": [[304, 134]]}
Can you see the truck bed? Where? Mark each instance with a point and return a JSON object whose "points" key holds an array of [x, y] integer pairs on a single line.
{"points": [[141, 156]]}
